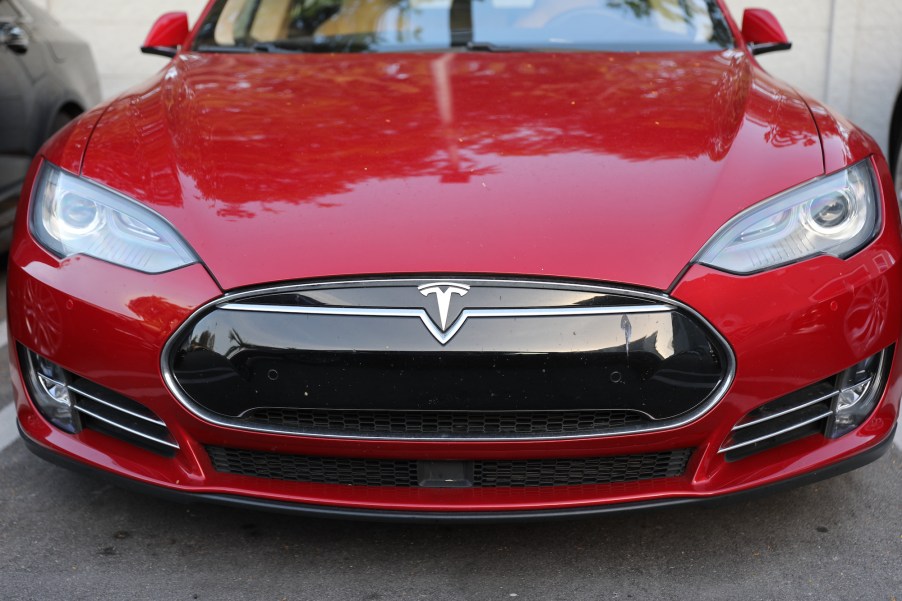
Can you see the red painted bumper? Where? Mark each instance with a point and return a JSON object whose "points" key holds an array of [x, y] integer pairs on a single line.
{"points": [[788, 328]]}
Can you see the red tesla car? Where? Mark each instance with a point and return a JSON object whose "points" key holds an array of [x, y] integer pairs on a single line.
{"points": [[446, 259]]}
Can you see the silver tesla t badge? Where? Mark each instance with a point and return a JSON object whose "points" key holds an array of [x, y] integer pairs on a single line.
{"points": [[443, 292]]}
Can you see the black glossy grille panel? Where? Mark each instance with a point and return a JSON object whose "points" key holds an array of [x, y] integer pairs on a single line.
{"points": [[486, 474], [378, 359], [459, 423]]}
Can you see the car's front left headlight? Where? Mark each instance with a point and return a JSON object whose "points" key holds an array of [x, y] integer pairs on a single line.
{"points": [[70, 215], [837, 215]]}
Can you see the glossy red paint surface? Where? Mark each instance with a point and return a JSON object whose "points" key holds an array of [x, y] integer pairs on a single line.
{"points": [[808, 327], [169, 31], [68, 146], [842, 141], [418, 162], [613, 168], [801, 309], [760, 26]]}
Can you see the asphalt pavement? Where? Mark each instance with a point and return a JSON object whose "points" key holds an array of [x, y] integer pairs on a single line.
{"points": [[71, 537]]}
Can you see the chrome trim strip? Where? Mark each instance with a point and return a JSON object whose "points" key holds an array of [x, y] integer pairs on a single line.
{"points": [[228, 298], [117, 408], [127, 429], [786, 412], [775, 434], [44, 379], [445, 336]]}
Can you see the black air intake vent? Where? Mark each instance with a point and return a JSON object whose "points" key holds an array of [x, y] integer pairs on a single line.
{"points": [[832, 407], [523, 473], [789, 418], [103, 410]]}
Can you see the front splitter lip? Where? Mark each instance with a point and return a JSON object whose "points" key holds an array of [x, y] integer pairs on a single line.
{"points": [[375, 515], [690, 417]]}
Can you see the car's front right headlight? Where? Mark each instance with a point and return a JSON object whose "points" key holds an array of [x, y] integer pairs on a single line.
{"points": [[836, 215], [71, 215]]}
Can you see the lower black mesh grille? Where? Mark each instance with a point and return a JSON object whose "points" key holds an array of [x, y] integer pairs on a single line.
{"points": [[321, 470], [572, 472], [459, 423], [485, 474]]}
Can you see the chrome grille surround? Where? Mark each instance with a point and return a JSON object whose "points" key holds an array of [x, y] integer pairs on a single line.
{"points": [[660, 300]]}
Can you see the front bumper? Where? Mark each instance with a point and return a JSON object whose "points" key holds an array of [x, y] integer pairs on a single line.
{"points": [[788, 328], [320, 511]]}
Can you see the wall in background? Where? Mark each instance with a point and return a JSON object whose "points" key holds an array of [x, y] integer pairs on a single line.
{"points": [[847, 53], [116, 29]]}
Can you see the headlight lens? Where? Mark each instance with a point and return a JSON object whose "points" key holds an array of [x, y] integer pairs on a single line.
{"points": [[71, 216], [835, 215]]}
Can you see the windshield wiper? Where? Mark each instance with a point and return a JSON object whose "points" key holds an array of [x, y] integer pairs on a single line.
{"points": [[223, 49], [337, 44], [490, 47], [348, 44]]}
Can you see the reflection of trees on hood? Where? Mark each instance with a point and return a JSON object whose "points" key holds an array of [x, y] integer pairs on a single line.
{"points": [[311, 127], [383, 108]]}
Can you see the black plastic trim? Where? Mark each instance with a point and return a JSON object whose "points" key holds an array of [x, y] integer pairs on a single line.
{"points": [[868, 456], [167, 51], [759, 49]]}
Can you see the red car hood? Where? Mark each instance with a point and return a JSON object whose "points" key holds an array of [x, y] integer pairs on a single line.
{"points": [[609, 167]]}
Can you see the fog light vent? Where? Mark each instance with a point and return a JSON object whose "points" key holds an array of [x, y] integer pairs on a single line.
{"points": [[73, 403], [831, 407], [860, 388], [48, 385]]}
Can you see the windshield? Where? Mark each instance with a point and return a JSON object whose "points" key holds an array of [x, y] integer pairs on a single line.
{"points": [[475, 25]]}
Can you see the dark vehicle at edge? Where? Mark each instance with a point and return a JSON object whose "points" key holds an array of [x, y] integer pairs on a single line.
{"points": [[47, 78]]}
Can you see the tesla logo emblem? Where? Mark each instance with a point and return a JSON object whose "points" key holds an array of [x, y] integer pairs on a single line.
{"points": [[443, 292]]}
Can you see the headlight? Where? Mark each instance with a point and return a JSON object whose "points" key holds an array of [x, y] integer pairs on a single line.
{"points": [[70, 216], [834, 215]]}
